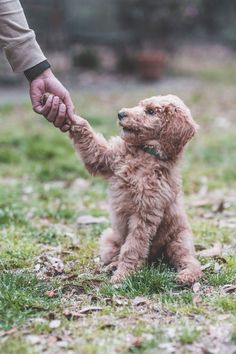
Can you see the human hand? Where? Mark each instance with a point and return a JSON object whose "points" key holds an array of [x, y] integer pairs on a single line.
{"points": [[58, 108]]}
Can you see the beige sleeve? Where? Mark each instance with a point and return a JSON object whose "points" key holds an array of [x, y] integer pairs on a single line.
{"points": [[16, 38]]}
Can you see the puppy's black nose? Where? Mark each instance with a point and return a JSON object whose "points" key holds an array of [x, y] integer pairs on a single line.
{"points": [[121, 115]]}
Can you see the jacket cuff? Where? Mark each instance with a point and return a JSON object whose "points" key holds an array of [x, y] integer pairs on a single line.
{"points": [[36, 70]]}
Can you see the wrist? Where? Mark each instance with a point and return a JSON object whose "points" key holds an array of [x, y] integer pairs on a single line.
{"points": [[46, 74], [37, 70]]}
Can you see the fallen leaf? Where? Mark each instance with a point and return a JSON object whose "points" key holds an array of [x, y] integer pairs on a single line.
{"points": [[196, 287], [206, 266], [76, 289], [52, 339], [49, 265], [70, 315], [50, 293], [33, 339], [90, 309], [55, 324], [88, 220], [9, 332], [229, 288], [139, 300], [219, 208], [230, 223], [216, 250], [217, 267], [119, 301]]}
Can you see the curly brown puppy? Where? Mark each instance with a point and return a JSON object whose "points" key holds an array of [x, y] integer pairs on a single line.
{"points": [[142, 168]]}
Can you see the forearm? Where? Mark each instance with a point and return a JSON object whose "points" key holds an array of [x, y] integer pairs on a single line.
{"points": [[92, 147], [16, 38]]}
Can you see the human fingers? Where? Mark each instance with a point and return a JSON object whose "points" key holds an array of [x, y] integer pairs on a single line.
{"points": [[52, 114], [60, 119], [45, 108]]}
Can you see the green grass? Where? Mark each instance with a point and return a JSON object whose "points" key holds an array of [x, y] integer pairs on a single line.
{"points": [[146, 281], [22, 295], [188, 334], [39, 206], [225, 303], [16, 345]]}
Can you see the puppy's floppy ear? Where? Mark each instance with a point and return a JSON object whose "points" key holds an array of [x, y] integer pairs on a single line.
{"points": [[178, 129]]}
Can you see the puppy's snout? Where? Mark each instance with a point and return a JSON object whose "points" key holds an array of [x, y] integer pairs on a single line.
{"points": [[121, 115]]}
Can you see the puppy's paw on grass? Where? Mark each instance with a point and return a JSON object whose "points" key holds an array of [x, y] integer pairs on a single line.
{"points": [[112, 267], [188, 276]]}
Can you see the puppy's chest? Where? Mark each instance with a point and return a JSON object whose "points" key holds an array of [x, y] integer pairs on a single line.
{"points": [[137, 175]]}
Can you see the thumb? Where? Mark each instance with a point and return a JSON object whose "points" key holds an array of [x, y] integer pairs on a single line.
{"points": [[38, 108]]}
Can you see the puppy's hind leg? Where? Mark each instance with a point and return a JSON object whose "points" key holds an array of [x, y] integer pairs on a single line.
{"points": [[180, 253], [109, 248]]}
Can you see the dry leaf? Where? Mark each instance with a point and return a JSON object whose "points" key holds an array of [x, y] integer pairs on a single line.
{"points": [[217, 267], [90, 309], [33, 339], [49, 265], [229, 288], [206, 266], [55, 324], [219, 208], [196, 287], [119, 301], [88, 220], [50, 293], [71, 315], [9, 332], [216, 250], [230, 223], [139, 300], [76, 289], [52, 339]]}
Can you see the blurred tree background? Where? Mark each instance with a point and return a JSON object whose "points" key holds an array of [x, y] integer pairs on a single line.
{"points": [[126, 36], [151, 22]]}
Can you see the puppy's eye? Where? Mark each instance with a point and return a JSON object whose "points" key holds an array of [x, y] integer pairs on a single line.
{"points": [[150, 111]]}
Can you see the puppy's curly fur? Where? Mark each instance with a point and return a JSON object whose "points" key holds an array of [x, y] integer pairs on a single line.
{"points": [[146, 205]]}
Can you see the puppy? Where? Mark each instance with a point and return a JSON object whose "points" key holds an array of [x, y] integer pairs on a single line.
{"points": [[146, 205]]}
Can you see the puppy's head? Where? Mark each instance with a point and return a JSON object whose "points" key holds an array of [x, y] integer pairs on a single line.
{"points": [[162, 120]]}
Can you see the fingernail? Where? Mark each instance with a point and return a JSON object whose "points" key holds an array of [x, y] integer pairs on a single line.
{"points": [[50, 98], [62, 108], [56, 99]]}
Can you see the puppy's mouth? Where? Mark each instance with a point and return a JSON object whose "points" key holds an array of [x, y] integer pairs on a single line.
{"points": [[128, 130]]}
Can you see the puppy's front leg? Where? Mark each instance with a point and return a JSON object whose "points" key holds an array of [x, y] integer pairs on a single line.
{"points": [[92, 147], [135, 250], [181, 254]]}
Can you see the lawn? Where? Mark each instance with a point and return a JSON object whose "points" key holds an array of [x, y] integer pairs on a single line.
{"points": [[54, 294]]}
